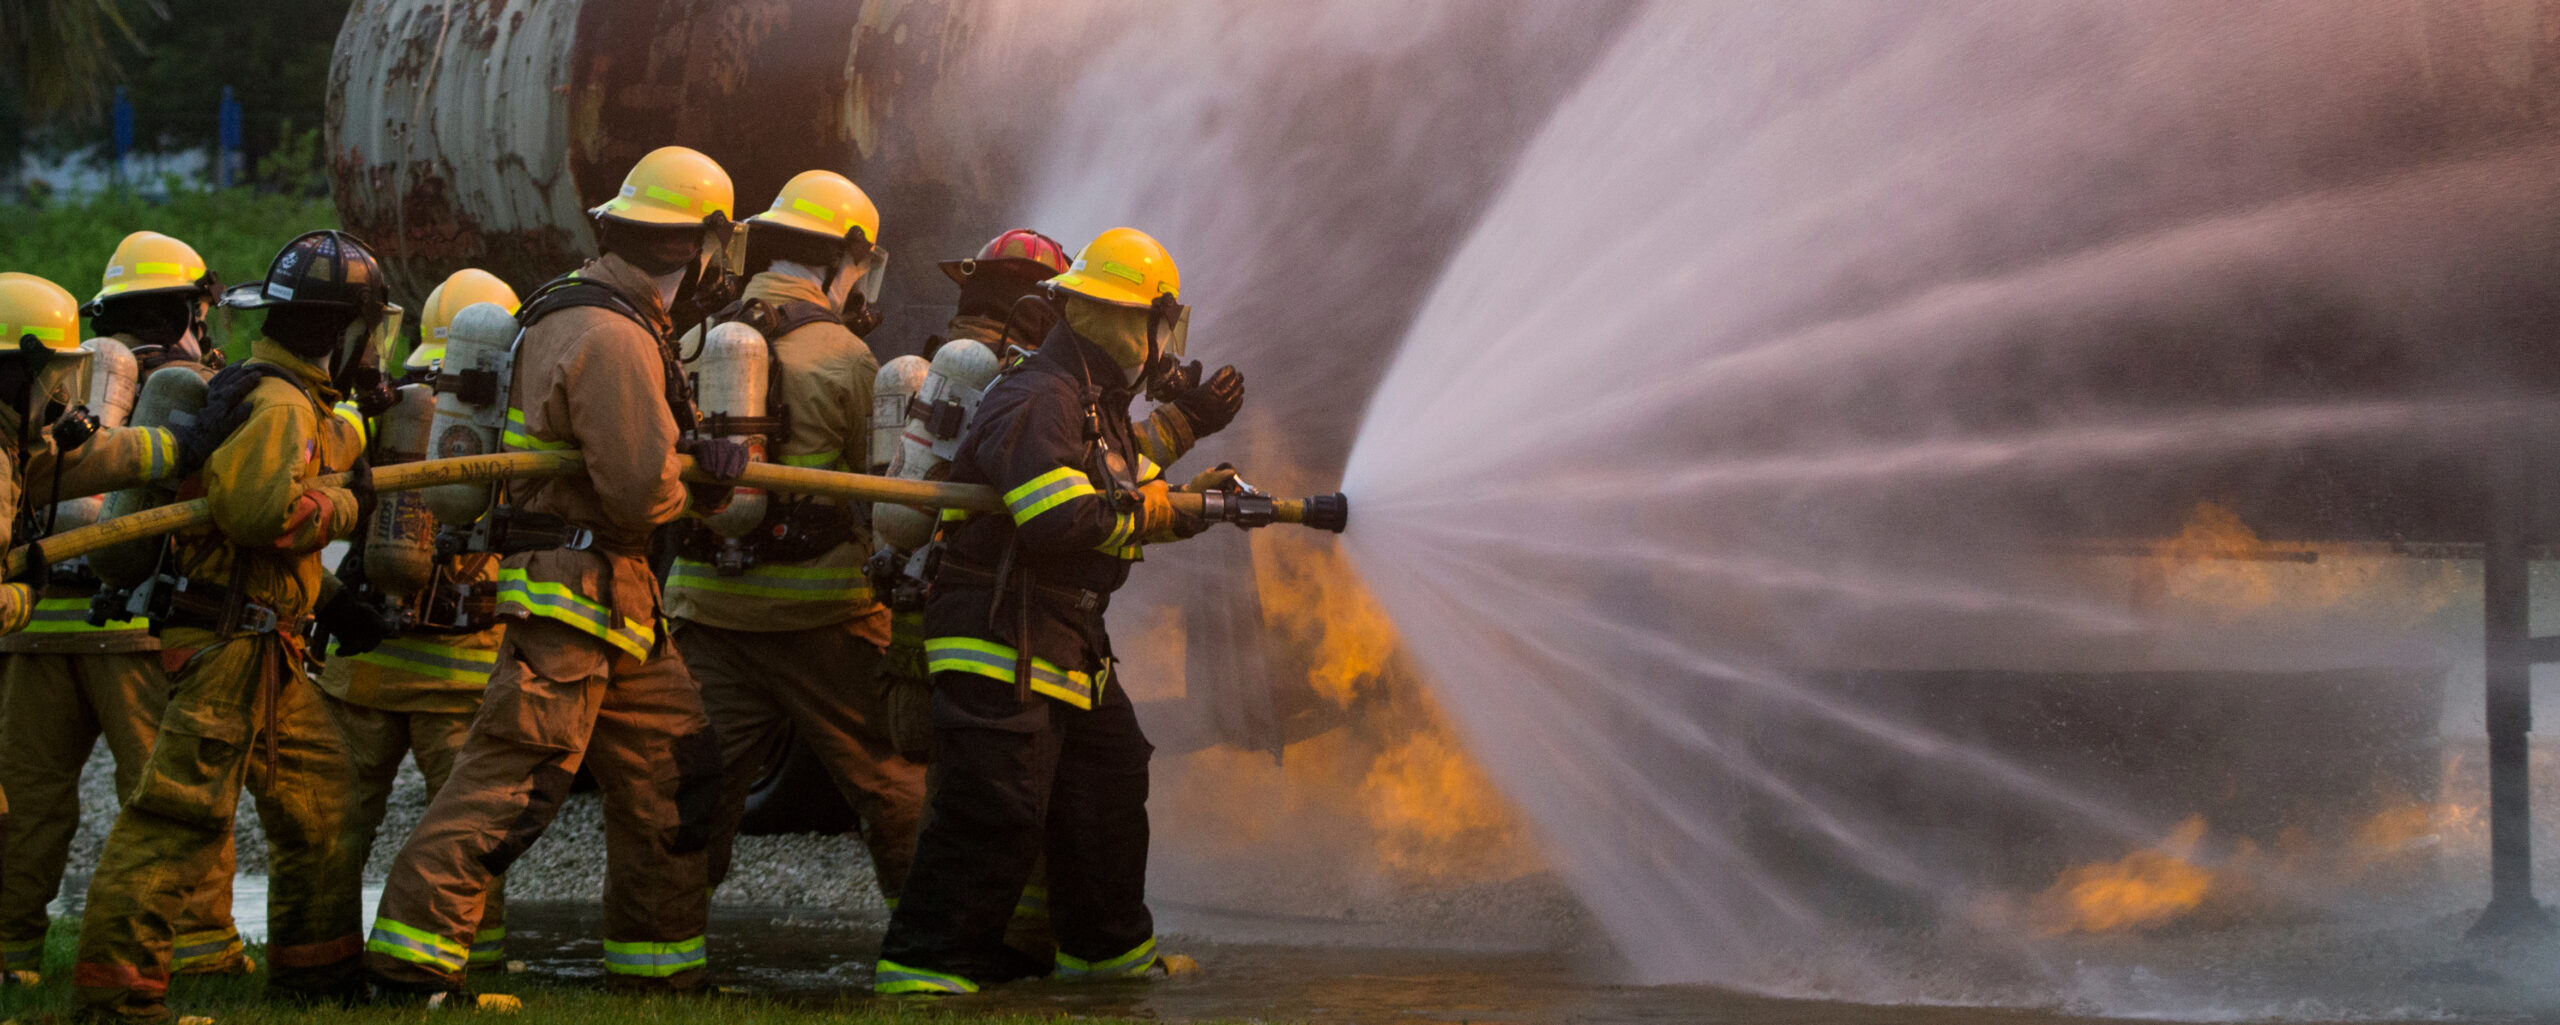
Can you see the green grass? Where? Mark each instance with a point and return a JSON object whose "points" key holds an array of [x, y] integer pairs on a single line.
{"points": [[237, 231], [235, 1000]]}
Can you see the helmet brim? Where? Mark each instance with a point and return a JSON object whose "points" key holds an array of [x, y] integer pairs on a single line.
{"points": [[251, 295], [1033, 271], [649, 216], [1101, 290], [98, 302], [800, 222]]}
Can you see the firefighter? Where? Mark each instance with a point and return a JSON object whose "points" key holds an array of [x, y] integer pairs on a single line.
{"points": [[231, 601], [788, 644], [1002, 307], [415, 694], [42, 374], [585, 676], [66, 684], [1036, 747]]}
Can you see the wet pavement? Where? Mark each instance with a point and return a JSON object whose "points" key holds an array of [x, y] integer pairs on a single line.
{"points": [[824, 960]]}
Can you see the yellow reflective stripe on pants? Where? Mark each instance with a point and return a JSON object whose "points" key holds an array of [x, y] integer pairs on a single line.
{"points": [[516, 437], [798, 583], [1045, 492], [416, 946], [1136, 961], [71, 616], [891, 978], [198, 949], [814, 460], [995, 661], [22, 954], [557, 602], [654, 960], [439, 661], [488, 945]]}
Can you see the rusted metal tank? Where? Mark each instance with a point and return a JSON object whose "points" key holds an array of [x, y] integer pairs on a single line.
{"points": [[475, 133]]}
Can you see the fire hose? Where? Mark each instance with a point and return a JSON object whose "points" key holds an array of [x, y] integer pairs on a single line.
{"points": [[1242, 508]]}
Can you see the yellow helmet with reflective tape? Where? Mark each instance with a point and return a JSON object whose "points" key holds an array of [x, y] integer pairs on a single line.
{"points": [[673, 185], [148, 262], [1123, 267], [823, 203], [30, 305], [467, 287]]}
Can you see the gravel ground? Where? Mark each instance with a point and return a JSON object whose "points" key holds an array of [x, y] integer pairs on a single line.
{"points": [[830, 873]]}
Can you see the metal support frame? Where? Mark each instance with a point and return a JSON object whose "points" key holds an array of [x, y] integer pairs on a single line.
{"points": [[2512, 650]]}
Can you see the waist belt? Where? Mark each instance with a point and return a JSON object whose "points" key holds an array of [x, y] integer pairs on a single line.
{"points": [[204, 607], [961, 574]]}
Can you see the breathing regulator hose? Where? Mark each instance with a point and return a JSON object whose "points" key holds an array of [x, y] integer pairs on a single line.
{"points": [[1324, 512]]}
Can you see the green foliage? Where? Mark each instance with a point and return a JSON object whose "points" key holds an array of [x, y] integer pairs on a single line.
{"points": [[274, 54], [293, 167], [237, 231], [61, 56]]}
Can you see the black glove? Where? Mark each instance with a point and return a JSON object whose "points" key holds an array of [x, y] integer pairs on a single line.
{"points": [[373, 392], [226, 407], [74, 429], [360, 483], [358, 625], [723, 459], [1212, 404]]}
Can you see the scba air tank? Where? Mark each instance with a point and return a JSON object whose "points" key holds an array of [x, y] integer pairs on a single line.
{"points": [[898, 381], [471, 404], [730, 382], [171, 391], [400, 550], [961, 371], [114, 376]]}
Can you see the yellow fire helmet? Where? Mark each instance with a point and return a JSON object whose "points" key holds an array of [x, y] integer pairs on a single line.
{"points": [[1122, 267], [673, 185], [148, 262], [467, 287], [823, 203], [30, 305]]}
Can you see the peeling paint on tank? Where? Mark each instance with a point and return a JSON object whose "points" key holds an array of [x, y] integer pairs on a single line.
{"points": [[478, 132]]}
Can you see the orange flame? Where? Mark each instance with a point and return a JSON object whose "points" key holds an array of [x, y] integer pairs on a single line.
{"points": [[2217, 563], [1392, 778], [1311, 597], [2142, 890]]}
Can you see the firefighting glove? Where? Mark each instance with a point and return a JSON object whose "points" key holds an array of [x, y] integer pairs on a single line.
{"points": [[360, 484], [723, 459], [1221, 477], [359, 625], [74, 429], [1212, 404], [1159, 520]]}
